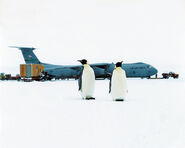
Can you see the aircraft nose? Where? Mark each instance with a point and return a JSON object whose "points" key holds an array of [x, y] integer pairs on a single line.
{"points": [[154, 71]]}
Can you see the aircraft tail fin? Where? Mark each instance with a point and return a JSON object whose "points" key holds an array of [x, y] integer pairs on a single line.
{"points": [[28, 54]]}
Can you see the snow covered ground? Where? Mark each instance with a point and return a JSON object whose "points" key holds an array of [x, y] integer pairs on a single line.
{"points": [[52, 114]]}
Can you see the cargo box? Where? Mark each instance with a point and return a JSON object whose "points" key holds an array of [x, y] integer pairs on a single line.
{"points": [[30, 70], [23, 70], [36, 69]]}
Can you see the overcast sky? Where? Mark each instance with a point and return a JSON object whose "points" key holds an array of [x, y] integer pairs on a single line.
{"points": [[150, 31]]}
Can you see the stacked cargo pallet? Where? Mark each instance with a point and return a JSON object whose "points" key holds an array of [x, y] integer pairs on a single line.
{"points": [[30, 70]]}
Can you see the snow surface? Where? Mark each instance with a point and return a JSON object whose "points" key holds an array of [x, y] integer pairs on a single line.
{"points": [[52, 114]]}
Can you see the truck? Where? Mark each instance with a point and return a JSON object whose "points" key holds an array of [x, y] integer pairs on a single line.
{"points": [[170, 74], [2, 76]]}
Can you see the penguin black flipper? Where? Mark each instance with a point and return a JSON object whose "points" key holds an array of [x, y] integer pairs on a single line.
{"points": [[80, 80], [110, 82]]}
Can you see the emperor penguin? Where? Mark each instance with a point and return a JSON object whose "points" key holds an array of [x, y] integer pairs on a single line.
{"points": [[86, 81], [118, 84]]}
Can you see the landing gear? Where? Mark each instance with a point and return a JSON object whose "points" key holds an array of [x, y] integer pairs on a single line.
{"points": [[45, 76]]}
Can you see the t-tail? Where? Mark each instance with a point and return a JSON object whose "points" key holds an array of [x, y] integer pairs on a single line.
{"points": [[28, 54]]}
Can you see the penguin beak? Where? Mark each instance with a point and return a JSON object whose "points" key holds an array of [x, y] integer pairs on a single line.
{"points": [[80, 61]]}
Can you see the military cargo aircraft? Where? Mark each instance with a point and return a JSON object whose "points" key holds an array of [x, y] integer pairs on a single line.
{"points": [[102, 70]]}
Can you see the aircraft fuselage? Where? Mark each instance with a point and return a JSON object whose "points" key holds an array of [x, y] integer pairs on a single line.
{"points": [[102, 70]]}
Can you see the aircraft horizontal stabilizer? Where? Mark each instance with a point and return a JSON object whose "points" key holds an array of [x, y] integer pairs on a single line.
{"points": [[22, 48]]}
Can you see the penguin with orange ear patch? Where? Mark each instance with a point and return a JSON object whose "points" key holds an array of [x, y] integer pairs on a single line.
{"points": [[86, 81], [118, 84]]}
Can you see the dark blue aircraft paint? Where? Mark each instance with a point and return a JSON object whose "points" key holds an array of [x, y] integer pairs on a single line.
{"points": [[102, 70], [29, 56]]}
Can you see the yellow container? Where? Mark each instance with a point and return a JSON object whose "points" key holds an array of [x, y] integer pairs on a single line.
{"points": [[36, 69], [23, 70], [30, 70]]}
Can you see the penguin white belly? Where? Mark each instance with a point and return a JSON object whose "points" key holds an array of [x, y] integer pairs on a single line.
{"points": [[118, 84], [88, 81]]}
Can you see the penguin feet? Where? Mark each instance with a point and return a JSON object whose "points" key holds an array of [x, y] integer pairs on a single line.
{"points": [[90, 98], [118, 99]]}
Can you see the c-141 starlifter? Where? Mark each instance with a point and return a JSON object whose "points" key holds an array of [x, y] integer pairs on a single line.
{"points": [[102, 70]]}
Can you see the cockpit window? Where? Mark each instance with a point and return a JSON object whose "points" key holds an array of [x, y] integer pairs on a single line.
{"points": [[149, 66]]}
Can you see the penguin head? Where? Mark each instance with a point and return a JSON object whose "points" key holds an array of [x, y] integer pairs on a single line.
{"points": [[83, 61], [119, 64]]}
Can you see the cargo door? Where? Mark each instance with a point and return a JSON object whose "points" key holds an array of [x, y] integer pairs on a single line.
{"points": [[28, 70]]}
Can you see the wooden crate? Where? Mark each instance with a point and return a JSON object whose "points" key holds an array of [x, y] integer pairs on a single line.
{"points": [[31, 70]]}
